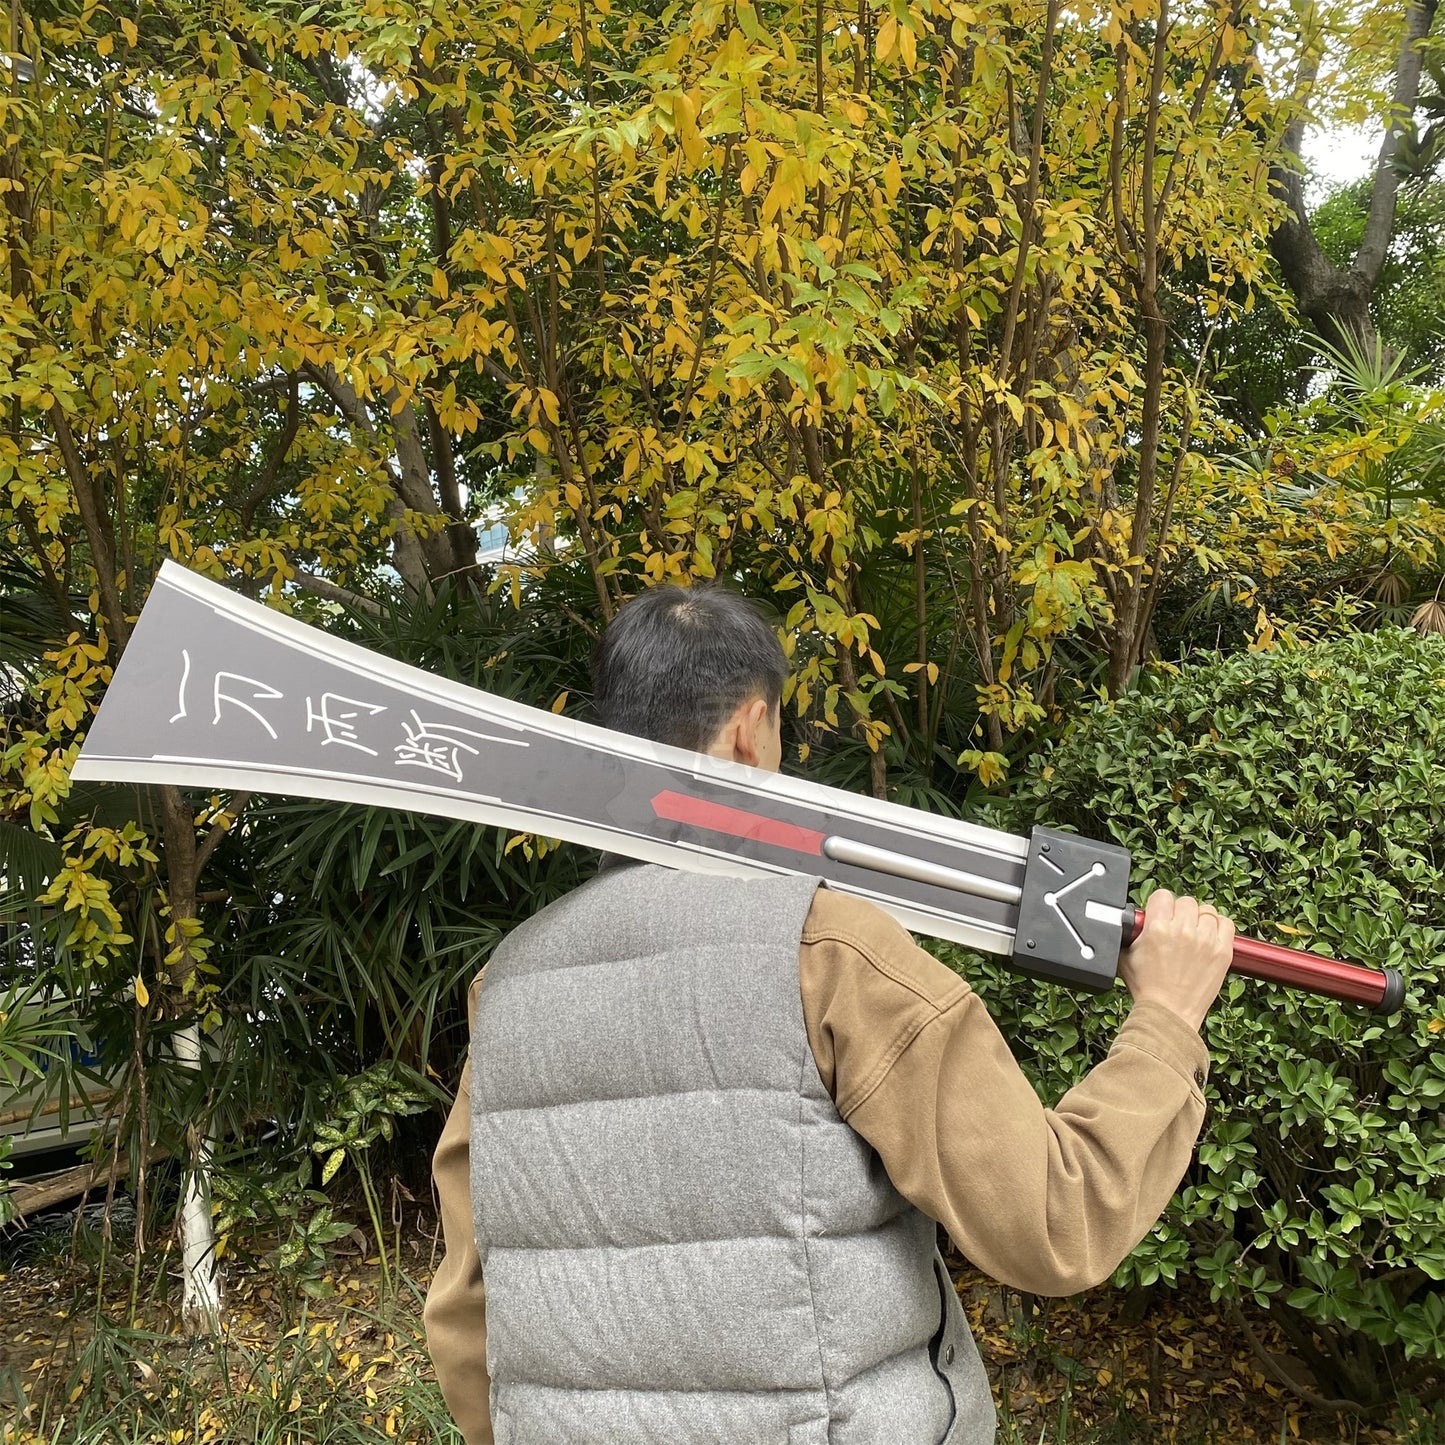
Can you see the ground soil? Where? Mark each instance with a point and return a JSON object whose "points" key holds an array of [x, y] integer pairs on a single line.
{"points": [[1098, 1368]]}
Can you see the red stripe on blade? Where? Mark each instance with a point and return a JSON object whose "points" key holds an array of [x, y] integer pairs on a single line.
{"points": [[736, 823]]}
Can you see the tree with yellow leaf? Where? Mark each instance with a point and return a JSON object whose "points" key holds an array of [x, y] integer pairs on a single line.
{"points": [[879, 308]]}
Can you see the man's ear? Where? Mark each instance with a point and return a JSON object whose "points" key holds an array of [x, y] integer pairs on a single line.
{"points": [[752, 720]]}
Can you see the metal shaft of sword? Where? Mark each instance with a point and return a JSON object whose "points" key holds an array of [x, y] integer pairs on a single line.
{"points": [[900, 865]]}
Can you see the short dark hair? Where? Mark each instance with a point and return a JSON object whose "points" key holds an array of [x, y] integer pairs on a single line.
{"points": [[675, 663]]}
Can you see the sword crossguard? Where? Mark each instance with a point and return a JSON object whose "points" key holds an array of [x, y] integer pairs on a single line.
{"points": [[1070, 926]]}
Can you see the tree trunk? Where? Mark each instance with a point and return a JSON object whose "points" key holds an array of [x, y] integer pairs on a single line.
{"points": [[1129, 612], [201, 1284], [416, 559], [1127, 635], [201, 1280], [1336, 299]]}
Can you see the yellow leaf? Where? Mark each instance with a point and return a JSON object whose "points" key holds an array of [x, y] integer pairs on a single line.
{"points": [[990, 767], [1436, 1026], [142, 993], [561, 702], [887, 37], [908, 45], [892, 178]]}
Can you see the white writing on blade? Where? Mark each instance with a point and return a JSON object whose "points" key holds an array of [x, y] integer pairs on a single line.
{"points": [[336, 727], [436, 746], [264, 692]]}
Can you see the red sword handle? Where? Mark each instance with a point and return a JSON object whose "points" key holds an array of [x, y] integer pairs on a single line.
{"points": [[1384, 991]]}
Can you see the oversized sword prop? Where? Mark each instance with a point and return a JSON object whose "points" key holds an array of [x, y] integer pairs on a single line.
{"points": [[218, 692]]}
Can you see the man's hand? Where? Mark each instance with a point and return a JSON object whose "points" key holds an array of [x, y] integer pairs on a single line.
{"points": [[1181, 956]]}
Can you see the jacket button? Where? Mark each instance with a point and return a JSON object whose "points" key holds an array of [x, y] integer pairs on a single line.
{"points": [[948, 1355]]}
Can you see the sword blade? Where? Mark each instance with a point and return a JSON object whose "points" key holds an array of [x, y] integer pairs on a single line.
{"points": [[215, 691]]}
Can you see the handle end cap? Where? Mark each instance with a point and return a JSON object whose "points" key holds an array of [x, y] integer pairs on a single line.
{"points": [[1394, 995]]}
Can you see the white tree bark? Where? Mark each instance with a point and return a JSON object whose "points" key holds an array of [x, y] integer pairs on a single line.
{"points": [[201, 1283]]}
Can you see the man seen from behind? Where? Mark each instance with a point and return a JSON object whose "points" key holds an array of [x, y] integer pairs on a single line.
{"points": [[708, 1125]]}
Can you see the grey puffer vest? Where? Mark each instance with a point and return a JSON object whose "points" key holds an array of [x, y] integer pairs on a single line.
{"points": [[681, 1239]]}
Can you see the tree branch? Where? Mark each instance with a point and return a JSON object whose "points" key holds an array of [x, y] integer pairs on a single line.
{"points": [[1266, 1358], [272, 468], [102, 555], [1379, 227], [219, 829], [52, 580], [331, 592], [407, 549]]}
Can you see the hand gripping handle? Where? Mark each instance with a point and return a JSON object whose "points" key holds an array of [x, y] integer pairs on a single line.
{"points": [[1383, 990]]}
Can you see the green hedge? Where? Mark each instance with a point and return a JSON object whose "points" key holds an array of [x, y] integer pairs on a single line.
{"points": [[1304, 793]]}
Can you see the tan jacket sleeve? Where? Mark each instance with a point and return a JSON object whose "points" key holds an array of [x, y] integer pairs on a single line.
{"points": [[455, 1314], [1046, 1200]]}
